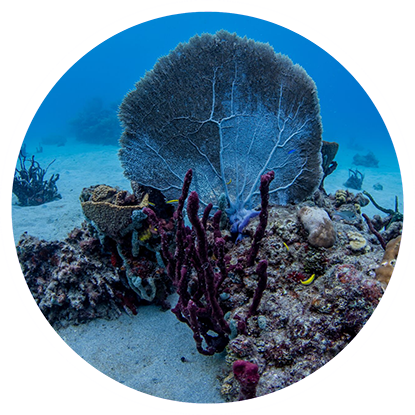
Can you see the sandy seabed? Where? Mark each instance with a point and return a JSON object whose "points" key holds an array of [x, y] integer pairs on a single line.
{"points": [[152, 352]]}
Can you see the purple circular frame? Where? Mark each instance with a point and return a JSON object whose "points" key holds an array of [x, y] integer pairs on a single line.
{"points": [[87, 374]]}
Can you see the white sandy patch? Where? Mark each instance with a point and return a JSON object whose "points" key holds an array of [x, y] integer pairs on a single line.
{"points": [[152, 352]]}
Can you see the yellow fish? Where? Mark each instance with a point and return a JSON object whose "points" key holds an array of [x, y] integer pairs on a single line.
{"points": [[309, 281]]}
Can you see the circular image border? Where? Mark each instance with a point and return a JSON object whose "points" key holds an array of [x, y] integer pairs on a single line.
{"points": [[86, 373]]}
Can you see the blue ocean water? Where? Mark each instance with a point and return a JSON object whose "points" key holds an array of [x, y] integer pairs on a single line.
{"points": [[98, 82], [111, 69]]}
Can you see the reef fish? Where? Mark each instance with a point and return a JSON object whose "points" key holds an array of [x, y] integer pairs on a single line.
{"points": [[344, 214]]}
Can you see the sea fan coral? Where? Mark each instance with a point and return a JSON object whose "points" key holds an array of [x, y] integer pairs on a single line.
{"points": [[232, 110]]}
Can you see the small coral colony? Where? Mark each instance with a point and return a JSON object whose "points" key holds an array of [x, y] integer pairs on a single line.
{"points": [[228, 210]]}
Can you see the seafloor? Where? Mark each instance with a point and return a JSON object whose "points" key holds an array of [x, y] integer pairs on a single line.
{"points": [[298, 327]]}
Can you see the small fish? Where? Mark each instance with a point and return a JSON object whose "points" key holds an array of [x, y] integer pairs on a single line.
{"points": [[173, 201], [230, 181], [344, 214], [309, 281], [291, 151], [286, 246], [151, 204]]}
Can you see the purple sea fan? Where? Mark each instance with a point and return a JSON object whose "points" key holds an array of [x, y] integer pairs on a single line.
{"points": [[232, 110]]}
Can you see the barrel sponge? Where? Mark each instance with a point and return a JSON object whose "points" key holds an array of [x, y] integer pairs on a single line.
{"points": [[110, 210], [319, 226]]}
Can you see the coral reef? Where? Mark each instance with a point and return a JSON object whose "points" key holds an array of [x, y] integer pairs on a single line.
{"points": [[286, 315], [297, 287], [96, 124], [317, 299], [355, 179], [199, 280], [368, 160], [345, 197], [29, 184], [267, 267], [121, 224], [204, 107], [75, 280]]}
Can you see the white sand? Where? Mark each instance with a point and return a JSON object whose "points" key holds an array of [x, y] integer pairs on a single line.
{"points": [[144, 352]]}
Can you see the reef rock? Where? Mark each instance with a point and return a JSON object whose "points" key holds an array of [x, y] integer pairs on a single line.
{"points": [[319, 226], [357, 241], [75, 280], [344, 197]]}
